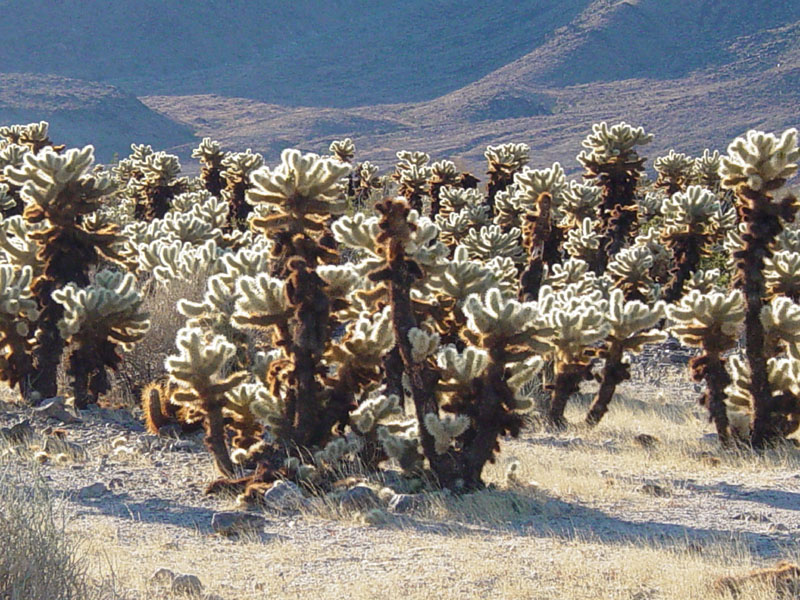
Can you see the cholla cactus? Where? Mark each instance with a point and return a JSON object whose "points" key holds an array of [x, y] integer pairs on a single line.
{"points": [[711, 322], [630, 329], [630, 272], [454, 199], [611, 159], [578, 203], [674, 170], [160, 182], [198, 371], [443, 173], [782, 377], [507, 210], [211, 157], [61, 190], [237, 169], [577, 324], [302, 192], [757, 165], [504, 162], [490, 241], [706, 170], [690, 223], [18, 311], [33, 135], [457, 225], [583, 242], [413, 184], [344, 150], [96, 320]]}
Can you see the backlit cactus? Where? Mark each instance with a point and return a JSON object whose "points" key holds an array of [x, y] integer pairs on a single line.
{"points": [[97, 319], [758, 164]]}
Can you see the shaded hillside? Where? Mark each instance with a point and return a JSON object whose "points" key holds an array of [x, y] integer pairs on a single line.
{"points": [[336, 53], [81, 112]]}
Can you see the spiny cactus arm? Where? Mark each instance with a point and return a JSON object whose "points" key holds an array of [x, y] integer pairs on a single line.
{"points": [[705, 171], [578, 202], [16, 242], [461, 277], [630, 272], [705, 281], [358, 232], [781, 321], [302, 185], [445, 430], [344, 150], [609, 144], [262, 302], [782, 274], [760, 161], [583, 242], [490, 241]]}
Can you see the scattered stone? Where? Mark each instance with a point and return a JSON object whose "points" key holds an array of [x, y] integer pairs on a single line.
{"points": [[653, 489], [232, 522], [403, 503], [708, 459], [188, 585], [53, 408], [41, 456], [376, 516], [358, 497], [116, 484], [750, 516], [55, 445], [779, 527], [283, 495], [18, 434], [162, 577], [56, 432], [184, 446], [646, 440], [92, 491]]}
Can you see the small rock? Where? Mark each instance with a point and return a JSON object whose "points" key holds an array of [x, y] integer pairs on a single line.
{"points": [[358, 497], [18, 434], [708, 459], [646, 440], [376, 516], [162, 577], [55, 445], [779, 527], [232, 523], [403, 503], [751, 516], [283, 495], [653, 489], [184, 446], [92, 491], [115, 484], [53, 408], [188, 585]]}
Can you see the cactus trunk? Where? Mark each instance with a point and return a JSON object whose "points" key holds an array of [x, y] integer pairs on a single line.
{"points": [[615, 372]]}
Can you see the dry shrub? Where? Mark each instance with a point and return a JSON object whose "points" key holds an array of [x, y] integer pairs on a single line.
{"points": [[145, 363], [39, 561]]}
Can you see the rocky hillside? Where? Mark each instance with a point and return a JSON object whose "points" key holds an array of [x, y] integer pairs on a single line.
{"points": [[445, 76]]}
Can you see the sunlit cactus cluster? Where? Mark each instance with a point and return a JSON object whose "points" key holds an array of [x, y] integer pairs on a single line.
{"points": [[350, 314]]}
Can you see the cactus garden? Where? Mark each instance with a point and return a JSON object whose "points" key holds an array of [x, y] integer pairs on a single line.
{"points": [[590, 376]]}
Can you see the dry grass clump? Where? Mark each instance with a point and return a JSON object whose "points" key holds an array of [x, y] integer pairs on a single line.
{"points": [[39, 561]]}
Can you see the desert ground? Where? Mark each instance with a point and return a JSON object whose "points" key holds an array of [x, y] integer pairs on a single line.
{"points": [[644, 506]]}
